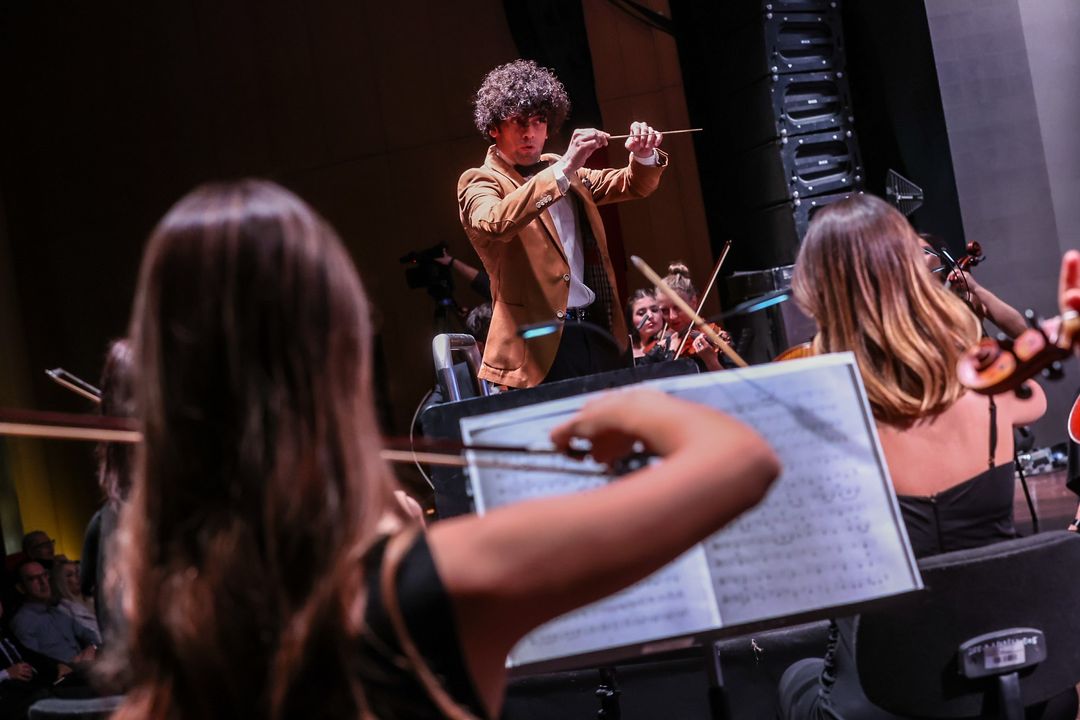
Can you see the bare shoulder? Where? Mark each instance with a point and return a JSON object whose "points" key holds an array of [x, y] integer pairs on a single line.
{"points": [[1023, 408]]}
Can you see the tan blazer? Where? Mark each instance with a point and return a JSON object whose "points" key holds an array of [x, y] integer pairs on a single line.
{"points": [[506, 219]]}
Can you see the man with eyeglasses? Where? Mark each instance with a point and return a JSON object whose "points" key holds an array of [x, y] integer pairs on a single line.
{"points": [[43, 627], [40, 547]]}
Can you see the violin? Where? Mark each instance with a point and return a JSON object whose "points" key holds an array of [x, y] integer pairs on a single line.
{"points": [[802, 350], [973, 257], [687, 349], [997, 366]]}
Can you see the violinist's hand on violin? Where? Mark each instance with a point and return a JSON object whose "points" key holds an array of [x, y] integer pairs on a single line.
{"points": [[615, 421], [583, 143], [986, 304], [643, 140], [1069, 283]]}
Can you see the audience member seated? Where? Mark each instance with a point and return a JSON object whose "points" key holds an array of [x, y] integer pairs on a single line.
{"points": [[37, 545], [41, 626], [861, 276], [67, 587], [25, 676], [115, 462], [268, 572]]}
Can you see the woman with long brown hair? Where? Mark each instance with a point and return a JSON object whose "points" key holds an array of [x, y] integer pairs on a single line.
{"points": [[257, 527], [860, 274], [114, 478]]}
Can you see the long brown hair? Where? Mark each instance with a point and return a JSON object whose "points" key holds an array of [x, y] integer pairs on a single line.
{"points": [[259, 483], [115, 460], [860, 275]]}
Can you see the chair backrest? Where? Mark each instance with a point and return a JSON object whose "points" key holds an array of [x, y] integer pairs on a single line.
{"points": [[443, 348], [75, 709], [907, 655]]}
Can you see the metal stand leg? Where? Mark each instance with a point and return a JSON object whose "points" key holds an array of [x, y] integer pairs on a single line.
{"points": [[1012, 707], [717, 700], [608, 692]]}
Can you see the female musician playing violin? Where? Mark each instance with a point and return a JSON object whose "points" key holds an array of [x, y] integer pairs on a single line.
{"points": [[961, 281], [861, 276], [679, 324], [645, 320]]}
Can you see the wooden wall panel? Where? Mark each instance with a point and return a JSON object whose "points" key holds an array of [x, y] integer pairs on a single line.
{"points": [[638, 78]]}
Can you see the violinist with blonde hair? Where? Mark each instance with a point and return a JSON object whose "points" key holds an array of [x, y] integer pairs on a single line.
{"points": [[860, 275], [679, 324]]}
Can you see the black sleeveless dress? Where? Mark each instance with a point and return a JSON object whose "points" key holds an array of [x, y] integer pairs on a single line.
{"points": [[392, 689], [976, 512]]}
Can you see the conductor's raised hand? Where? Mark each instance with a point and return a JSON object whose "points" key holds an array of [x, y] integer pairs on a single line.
{"points": [[1069, 283], [583, 143], [643, 140]]}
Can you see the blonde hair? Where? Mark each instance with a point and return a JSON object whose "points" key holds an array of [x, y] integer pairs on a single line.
{"points": [[860, 275], [678, 279]]}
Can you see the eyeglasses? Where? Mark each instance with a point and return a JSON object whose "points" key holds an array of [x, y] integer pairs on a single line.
{"points": [[42, 544]]}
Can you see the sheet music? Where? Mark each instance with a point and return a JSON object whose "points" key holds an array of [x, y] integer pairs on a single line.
{"points": [[674, 601], [828, 533]]}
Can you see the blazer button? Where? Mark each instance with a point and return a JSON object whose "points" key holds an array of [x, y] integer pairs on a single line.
{"points": [[560, 314], [566, 277]]}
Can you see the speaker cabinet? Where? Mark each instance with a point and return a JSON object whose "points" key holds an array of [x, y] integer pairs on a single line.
{"points": [[791, 168], [780, 106]]}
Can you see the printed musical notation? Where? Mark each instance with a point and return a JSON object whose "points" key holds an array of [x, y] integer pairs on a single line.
{"points": [[827, 535], [674, 601]]}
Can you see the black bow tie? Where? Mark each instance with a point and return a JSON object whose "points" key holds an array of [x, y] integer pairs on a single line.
{"points": [[530, 170]]}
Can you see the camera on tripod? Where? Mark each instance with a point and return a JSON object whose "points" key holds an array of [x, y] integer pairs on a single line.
{"points": [[423, 272]]}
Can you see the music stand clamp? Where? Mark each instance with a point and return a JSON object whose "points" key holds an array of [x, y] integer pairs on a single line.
{"points": [[1003, 654], [901, 192]]}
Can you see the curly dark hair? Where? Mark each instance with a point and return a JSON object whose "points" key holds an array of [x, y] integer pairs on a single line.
{"points": [[520, 88]]}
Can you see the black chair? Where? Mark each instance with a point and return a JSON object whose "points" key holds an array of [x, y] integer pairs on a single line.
{"points": [[998, 629]]}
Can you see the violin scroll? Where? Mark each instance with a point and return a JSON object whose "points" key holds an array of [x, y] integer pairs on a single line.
{"points": [[996, 366]]}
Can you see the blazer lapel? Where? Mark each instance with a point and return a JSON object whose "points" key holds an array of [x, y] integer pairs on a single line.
{"points": [[496, 162]]}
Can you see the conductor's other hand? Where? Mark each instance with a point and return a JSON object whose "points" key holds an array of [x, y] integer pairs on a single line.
{"points": [[614, 422], [583, 143], [643, 140]]}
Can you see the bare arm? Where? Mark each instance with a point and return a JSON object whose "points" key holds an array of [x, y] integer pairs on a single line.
{"points": [[522, 565], [989, 305]]}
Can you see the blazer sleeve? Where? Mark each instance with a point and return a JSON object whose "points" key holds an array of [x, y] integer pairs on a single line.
{"points": [[626, 183], [488, 215]]}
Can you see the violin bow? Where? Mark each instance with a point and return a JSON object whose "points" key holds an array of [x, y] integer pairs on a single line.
{"points": [[100, 428], [699, 323], [658, 132], [708, 289]]}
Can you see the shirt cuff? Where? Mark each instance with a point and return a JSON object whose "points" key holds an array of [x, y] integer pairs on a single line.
{"points": [[560, 176], [649, 161]]}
